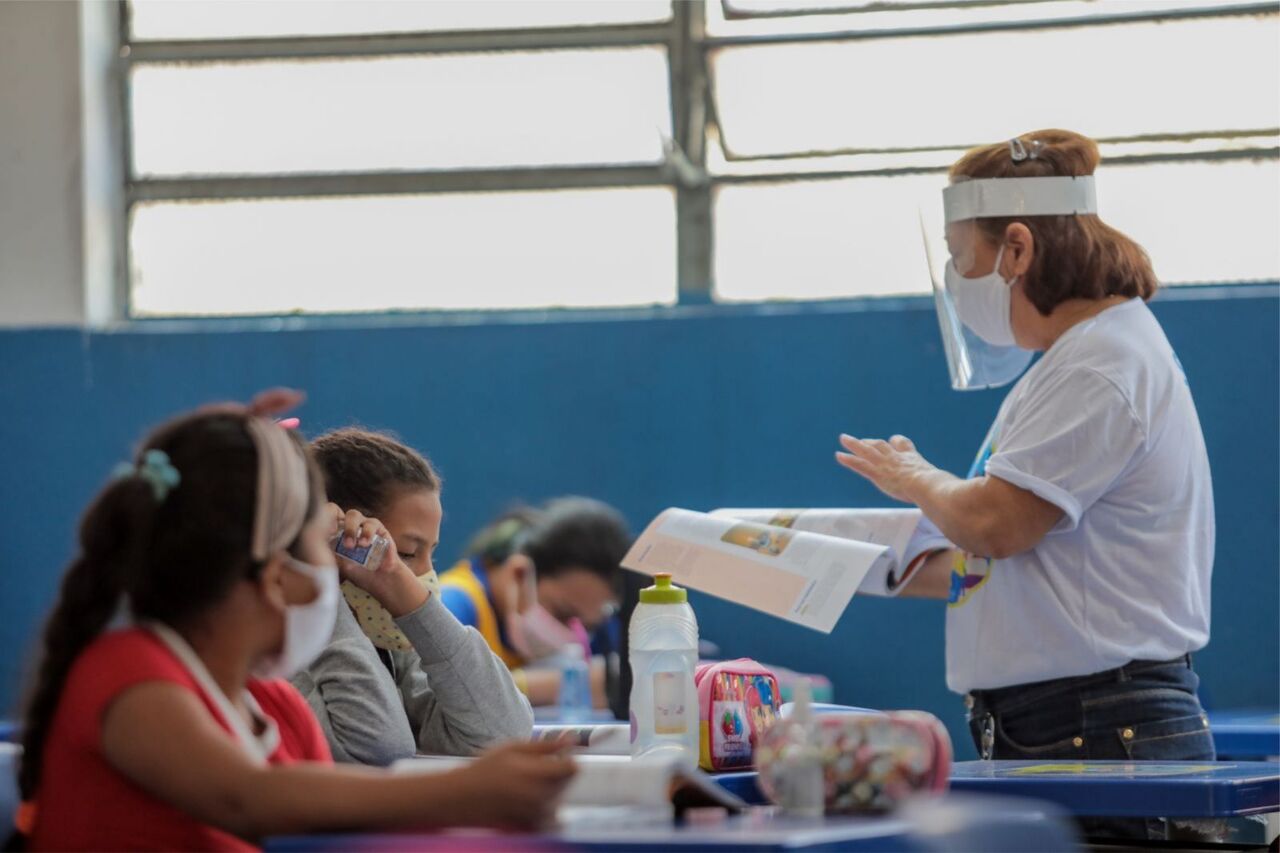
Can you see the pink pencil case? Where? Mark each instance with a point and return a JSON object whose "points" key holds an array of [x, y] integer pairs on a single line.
{"points": [[738, 700], [871, 761]]}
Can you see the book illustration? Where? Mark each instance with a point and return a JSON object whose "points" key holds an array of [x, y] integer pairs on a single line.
{"points": [[759, 538]]}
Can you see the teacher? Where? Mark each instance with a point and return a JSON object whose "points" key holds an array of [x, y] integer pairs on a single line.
{"points": [[1078, 585]]}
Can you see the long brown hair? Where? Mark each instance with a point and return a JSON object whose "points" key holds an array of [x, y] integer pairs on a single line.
{"points": [[1076, 257], [167, 558]]}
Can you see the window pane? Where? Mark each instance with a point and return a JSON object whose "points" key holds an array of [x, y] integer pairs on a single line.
{"points": [[1200, 222], [492, 250], [472, 110], [827, 15], [957, 90], [822, 239], [220, 19], [861, 236]]}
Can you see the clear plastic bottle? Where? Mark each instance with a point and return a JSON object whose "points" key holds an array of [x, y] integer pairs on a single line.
{"points": [[664, 655], [575, 685]]}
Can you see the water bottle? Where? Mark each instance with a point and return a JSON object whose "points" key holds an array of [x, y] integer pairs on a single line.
{"points": [[664, 654], [575, 685]]}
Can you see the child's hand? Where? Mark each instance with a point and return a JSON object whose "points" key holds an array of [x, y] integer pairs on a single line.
{"points": [[392, 583], [516, 786]]}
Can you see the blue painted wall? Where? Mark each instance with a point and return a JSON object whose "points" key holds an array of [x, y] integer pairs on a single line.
{"points": [[695, 407]]}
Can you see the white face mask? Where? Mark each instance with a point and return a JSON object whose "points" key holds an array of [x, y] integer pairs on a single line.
{"points": [[983, 303], [307, 627]]}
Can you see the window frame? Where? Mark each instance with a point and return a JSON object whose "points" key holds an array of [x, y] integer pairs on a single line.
{"points": [[694, 124]]}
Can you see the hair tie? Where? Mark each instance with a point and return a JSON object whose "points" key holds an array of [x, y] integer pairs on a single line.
{"points": [[155, 469], [1018, 151]]}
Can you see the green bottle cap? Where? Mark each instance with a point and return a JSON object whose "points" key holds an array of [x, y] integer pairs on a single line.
{"points": [[662, 592]]}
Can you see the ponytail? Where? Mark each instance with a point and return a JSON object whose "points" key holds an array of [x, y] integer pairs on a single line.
{"points": [[112, 536], [168, 538]]}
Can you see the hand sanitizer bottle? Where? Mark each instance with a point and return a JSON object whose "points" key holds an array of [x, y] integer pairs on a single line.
{"points": [[802, 789]]}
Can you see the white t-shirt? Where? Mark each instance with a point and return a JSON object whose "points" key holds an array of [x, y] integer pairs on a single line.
{"points": [[1104, 427]]}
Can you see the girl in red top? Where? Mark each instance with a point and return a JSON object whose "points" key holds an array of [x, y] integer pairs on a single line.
{"points": [[178, 732]]}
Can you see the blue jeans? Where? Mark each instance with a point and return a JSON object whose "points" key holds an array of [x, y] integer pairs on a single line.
{"points": [[1142, 711]]}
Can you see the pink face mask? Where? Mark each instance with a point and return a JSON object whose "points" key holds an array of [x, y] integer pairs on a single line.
{"points": [[536, 634]]}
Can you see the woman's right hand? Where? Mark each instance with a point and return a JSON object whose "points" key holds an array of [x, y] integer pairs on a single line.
{"points": [[516, 786]]}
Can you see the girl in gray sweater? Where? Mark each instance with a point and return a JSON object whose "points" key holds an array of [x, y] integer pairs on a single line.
{"points": [[401, 675]]}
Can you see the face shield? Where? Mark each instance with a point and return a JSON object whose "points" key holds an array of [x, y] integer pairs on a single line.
{"points": [[972, 303]]}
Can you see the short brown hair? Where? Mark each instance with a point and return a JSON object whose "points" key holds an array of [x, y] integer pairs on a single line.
{"points": [[1076, 257], [364, 470]]}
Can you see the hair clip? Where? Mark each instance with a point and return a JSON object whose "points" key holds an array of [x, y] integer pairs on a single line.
{"points": [[155, 469], [1017, 151]]}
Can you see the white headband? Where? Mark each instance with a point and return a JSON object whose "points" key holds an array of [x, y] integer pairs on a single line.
{"points": [[998, 197], [280, 507]]}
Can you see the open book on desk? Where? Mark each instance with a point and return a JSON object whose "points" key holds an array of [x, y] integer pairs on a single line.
{"points": [[589, 738], [614, 780], [800, 565]]}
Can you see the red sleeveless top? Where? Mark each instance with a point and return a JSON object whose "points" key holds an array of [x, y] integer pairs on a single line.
{"points": [[85, 804]]}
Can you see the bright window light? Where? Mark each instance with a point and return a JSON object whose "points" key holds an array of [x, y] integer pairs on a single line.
{"points": [[962, 90], [861, 236], [579, 248], [419, 112], [755, 17], [223, 19]]}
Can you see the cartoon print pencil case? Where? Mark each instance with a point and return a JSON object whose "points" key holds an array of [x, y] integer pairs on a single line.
{"points": [[738, 700]]}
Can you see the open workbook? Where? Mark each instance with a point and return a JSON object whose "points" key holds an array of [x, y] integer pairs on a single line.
{"points": [[802, 565], [607, 781]]}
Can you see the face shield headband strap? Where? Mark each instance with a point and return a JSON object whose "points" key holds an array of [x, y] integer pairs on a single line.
{"points": [[280, 508], [985, 198]]}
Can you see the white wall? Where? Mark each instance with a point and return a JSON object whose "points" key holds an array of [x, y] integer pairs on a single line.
{"points": [[59, 185]]}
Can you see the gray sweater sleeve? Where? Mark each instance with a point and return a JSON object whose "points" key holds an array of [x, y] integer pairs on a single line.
{"points": [[355, 699], [459, 696]]}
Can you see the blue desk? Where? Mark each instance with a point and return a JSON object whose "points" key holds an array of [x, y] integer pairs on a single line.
{"points": [[950, 824], [1121, 789], [1106, 788], [1245, 734]]}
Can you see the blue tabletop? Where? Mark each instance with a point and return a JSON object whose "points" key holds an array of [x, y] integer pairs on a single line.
{"points": [[1110, 788], [950, 824], [1123, 789], [1245, 734]]}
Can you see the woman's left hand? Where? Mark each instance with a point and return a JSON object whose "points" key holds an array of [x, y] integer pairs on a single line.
{"points": [[894, 467]]}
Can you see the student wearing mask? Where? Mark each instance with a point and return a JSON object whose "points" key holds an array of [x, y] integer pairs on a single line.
{"points": [[535, 582], [400, 674], [175, 729]]}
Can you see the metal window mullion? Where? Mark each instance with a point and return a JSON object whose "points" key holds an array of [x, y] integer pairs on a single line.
{"points": [[687, 60], [123, 295], [392, 44], [393, 183], [1255, 153]]}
